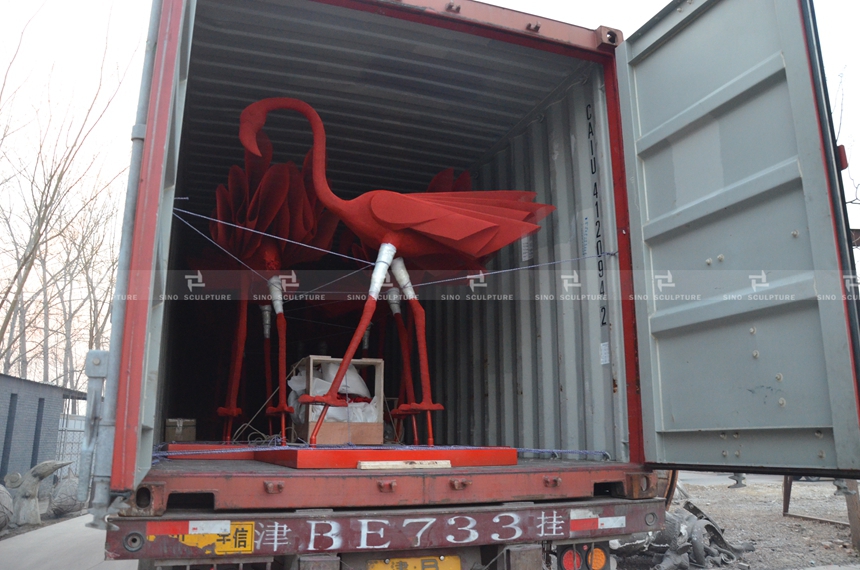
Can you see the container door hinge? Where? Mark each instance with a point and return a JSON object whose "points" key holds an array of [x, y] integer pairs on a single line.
{"points": [[96, 368]]}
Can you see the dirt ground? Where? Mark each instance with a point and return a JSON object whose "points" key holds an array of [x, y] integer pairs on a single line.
{"points": [[754, 514]]}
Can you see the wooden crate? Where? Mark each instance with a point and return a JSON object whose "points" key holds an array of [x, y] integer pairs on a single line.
{"points": [[333, 433], [180, 429]]}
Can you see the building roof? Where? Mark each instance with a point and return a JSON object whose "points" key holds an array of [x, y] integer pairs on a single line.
{"points": [[68, 393]]}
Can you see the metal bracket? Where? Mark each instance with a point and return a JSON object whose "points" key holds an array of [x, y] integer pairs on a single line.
{"points": [[96, 368], [786, 502], [551, 481], [739, 479], [100, 516], [608, 38], [138, 132], [460, 484]]}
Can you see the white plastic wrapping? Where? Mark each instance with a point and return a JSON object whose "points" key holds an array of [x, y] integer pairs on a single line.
{"points": [[359, 412]]}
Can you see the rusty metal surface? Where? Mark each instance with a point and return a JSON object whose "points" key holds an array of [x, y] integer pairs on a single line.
{"points": [[497, 18], [319, 562], [190, 536], [641, 485], [247, 484]]}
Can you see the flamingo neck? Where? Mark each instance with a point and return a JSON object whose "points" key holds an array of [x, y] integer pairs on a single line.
{"points": [[328, 198]]}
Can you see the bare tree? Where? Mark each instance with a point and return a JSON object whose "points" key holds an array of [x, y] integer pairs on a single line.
{"points": [[57, 212], [58, 169]]}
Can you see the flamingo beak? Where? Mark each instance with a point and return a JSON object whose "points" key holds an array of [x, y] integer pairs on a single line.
{"points": [[251, 121]]}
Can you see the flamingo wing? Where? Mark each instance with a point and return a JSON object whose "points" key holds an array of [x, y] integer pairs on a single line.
{"points": [[463, 182], [468, 231], [301, 209], [506, 199], [221, 233], [322, 238], [266, 203], [442, 182], [257, 166]]}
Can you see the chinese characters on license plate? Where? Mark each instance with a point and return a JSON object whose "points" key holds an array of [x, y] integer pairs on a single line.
{"points": [[395, 532]]}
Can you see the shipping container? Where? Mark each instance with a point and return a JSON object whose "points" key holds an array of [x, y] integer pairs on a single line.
{"points": [[689, 303]]}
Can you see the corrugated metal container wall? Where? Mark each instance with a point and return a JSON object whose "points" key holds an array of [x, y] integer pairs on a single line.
{"points": [[545, 369]]}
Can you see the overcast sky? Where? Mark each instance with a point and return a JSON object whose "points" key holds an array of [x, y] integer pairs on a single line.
{"points": [[65, 40]]}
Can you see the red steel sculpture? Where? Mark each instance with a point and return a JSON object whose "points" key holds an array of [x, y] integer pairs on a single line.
{"points": [[469, 225], [274, 202]]}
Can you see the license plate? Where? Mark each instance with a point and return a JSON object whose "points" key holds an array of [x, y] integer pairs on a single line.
{"points": [[423, 563]]}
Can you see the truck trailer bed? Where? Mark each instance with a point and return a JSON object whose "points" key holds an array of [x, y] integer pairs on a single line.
{"points": [[220, 484]]}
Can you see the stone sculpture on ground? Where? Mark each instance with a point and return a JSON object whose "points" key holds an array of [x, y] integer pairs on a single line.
{"points": [[5, 508], [25, 504]]}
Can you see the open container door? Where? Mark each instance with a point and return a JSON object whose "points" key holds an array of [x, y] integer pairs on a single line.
{"points": [[145, 302], [747, 329]]}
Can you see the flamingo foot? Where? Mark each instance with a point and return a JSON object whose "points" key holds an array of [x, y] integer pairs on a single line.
{"points": [[403, 410], [279, 409], [230, 412], [422, 407]]}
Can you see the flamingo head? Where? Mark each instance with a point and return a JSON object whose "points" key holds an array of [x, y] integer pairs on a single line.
{"points": [[251, 121], [253, 118]]}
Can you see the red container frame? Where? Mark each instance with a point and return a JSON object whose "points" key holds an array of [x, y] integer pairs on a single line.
{"points": [[472, 18]]}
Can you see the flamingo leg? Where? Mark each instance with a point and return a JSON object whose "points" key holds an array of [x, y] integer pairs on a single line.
{"points": [[407, 390], [230, 410], [408, 326], [380, 270], [282, 409], [267, 351], [365, 349], [398, 268]]}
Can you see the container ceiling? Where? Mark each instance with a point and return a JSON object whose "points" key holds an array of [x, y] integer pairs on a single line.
{"points": [[400, 100]]}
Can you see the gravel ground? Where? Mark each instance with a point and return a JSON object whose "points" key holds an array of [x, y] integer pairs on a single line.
{"points": [[754, 514]]}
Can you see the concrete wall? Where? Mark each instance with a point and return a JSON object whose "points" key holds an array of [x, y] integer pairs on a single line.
{"points": [[17, 448]]}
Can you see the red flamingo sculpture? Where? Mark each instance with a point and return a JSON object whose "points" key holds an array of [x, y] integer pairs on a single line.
{"points": [[443, 182], [273, 201], [463, 224]]}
